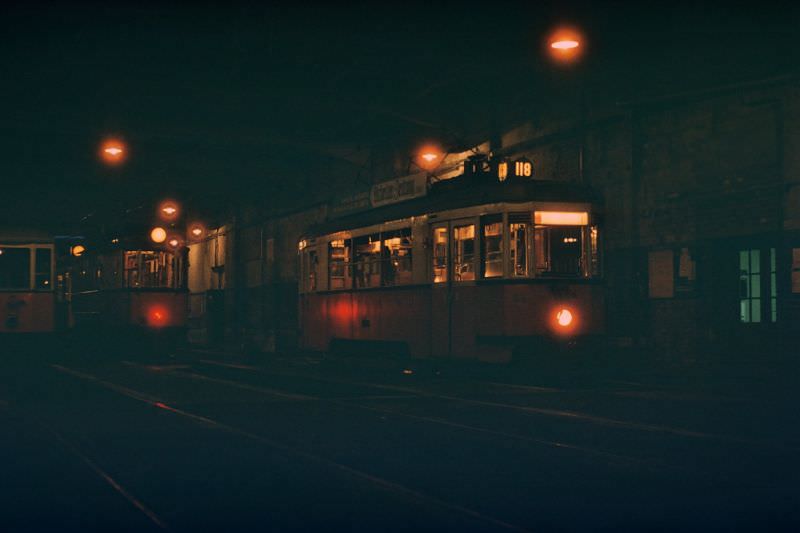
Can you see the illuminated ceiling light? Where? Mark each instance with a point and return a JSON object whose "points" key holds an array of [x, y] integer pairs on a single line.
{"points": [[429, 157], [174, 242], [564, 317], [169, 210], [197, 232], [1, 252], [158, 235], [565, 44]]}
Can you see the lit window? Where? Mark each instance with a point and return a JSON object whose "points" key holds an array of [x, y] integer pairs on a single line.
{"points": [[397, 257], [149, 269], [338, 264], [751, 278], [439, 255], [367, 261], [492, 246], [464, 253], [518, 229]]}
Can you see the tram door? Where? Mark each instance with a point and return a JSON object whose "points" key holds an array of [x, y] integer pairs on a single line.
{"points": [[441, 291]]}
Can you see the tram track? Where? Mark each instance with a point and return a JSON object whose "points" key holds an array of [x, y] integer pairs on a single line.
{"points": [[527, 409], [613, 458], [383, 483]]}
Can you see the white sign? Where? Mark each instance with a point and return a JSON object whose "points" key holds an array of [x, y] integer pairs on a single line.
{"points": [[399, 190]]}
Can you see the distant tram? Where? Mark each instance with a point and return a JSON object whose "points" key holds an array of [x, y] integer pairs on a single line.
{"points": [[27, 270], [129, 291], [472, 270]]}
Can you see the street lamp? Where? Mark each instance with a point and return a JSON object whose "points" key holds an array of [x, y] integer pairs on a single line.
{"points": [[158, 235], [113, 151], [429, 156], [168, 210]]}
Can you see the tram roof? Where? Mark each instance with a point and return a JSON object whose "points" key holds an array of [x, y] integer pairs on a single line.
{"points": [[462, 192]]}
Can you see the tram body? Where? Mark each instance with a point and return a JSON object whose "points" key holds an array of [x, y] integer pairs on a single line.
{"points": [[129, 293], [27, 271], [486, 274]]}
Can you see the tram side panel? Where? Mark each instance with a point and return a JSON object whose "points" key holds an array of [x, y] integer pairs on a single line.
{"points": [[27, 312]]}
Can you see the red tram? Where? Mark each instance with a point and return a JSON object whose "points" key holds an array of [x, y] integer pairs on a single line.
{"points": [[27, 270], [129, 292], [481, 271]]}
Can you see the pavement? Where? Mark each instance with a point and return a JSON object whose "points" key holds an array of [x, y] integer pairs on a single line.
{"points": [[206, 440]]}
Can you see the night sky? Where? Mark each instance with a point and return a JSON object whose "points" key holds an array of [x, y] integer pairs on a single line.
{"points": [[226, 102]]}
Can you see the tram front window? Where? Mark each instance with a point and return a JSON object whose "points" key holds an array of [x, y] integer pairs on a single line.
{"points": [[492, 246], [15, 268], [148, 269], [43, 268], [559, 250], [464, 253]]}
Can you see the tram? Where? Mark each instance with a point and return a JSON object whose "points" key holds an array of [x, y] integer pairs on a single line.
{"points": [[28, 304], [129, 292], [481, 270]]}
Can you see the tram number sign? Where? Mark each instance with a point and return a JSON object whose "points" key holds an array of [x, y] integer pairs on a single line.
{"points": [[520, 168]]}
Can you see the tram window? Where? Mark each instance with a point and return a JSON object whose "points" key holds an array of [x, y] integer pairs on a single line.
{"points": [[396, 255], [594, 252], [338, 264], [439, 255], [464, 253], [148, 269], [492, 246], [559, 250], [310, 270], [367, 262], [518, 229], [15, 268], [43, 268]]}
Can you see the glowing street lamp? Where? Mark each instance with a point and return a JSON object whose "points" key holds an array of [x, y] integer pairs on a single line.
{"points": [[158, 235], [565, 44], [430, 156], [196, 231], [168, 210], [113, 151]]}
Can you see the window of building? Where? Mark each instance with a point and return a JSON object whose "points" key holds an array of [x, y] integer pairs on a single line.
{"points": [[518, 230], [755, 305], [492, 246], [44, 267], [558, 250], [464, 253], [339, 264], [684, 271], [367, 261], [397, 257], [439, 255], [15, 268]]}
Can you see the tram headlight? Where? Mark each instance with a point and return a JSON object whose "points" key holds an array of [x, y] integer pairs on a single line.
{"points": [[564, 317]]}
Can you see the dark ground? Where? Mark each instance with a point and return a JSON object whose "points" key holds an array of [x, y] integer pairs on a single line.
{"points": [[206, 441]]}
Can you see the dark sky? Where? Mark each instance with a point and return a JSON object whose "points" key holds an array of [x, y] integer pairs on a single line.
{"points": [[219, 102]]}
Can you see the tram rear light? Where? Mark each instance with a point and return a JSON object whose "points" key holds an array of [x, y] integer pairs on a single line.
{"points": [[157, 316], [564, 317]]}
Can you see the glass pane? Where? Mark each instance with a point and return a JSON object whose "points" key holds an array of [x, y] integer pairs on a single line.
{"points": [[492, 249], [464, 253], [774, 308], [15, 268], [338, 264], [397, 257], [755, 286], [439, 255], [43, 268], [773, 290], [744, 262], [367, 261], [744, 310], [518, 248], [755, 261], [559, 250], [755, 310], [772, 259]]}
